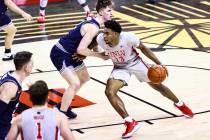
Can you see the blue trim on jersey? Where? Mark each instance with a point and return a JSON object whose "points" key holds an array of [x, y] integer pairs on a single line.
{"points": [[6, 116]]}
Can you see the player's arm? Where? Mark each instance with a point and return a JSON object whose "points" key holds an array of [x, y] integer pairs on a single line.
{"points": [[8, 91], [90, 32], [12, 6], [64, 127], [147, 52], [15, 129]]}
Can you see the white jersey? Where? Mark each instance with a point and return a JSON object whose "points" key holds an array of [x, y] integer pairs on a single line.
{"points": [[123, 53], [39, 124]]}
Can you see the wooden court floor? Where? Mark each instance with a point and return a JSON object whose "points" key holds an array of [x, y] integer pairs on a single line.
{"points": [[186, 58]]}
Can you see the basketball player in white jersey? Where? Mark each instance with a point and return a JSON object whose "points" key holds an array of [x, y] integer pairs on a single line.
{"points": [[120, 47], [43, 5], [40, 122]]}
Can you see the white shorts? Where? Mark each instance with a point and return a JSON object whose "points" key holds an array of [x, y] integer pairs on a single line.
{"points": [[138, 68]]}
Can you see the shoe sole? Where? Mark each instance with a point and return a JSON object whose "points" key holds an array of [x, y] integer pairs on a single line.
{"points": [[131, 133]]}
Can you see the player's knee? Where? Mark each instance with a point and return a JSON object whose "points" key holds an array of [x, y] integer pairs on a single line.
{"points": [[109, 93], [12, 30], [75, 86]]}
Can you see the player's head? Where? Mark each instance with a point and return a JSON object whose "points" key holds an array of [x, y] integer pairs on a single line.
{"points": [[23, 61], [111, 31], [104, 9], [38, 93]]}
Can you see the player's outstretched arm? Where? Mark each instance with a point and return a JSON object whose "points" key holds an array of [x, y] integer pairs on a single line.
{"points": [[12, 6], [147, 52]]}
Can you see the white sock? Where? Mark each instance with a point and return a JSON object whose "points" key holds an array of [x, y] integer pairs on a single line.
{"points": [[42, 12], [84, 5], [128, 119], [180, 103]]}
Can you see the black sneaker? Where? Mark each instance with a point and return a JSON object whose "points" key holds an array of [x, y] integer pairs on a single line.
{"points": [[70, 114], [7, 57]]}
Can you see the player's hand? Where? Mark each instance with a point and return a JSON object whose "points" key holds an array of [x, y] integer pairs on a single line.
{"points": [[26, 16], [104, 56], [78, 57]]}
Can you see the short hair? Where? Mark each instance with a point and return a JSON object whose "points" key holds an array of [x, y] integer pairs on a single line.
{"points": [[113, 25], [103, 4], [38, 93], [21, 58]]}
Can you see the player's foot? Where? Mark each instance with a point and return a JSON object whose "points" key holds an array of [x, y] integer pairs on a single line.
{"points": [[7, 57], [70, 114], [41, 18], [90, 14], [187, 112], [131, 128]]}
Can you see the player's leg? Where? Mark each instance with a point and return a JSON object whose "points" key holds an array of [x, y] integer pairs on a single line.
{"points": [[84, 5], [63, 64], [165, 91], [7, 25], [83, 75], [42, 6], [116, 81], [73, 86], [10, 34], [112, 88]]}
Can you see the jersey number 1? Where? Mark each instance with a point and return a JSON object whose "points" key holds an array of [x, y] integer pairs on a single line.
{"points": [[39, 136]]}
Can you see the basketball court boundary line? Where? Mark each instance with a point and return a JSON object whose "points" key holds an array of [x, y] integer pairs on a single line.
{"points": [[148, 121]]}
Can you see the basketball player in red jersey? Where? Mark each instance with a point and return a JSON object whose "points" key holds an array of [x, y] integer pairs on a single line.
{"points": [[43, 5], [40, 122], [120, 47]]}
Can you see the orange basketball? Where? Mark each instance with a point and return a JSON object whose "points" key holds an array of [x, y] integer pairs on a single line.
{"points": [[157, 74]]}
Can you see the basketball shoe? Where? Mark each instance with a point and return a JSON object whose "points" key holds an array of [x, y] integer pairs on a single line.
{"points": [[7, 57], [70, 114], [187, 112], [41, 18], [131, 128]]}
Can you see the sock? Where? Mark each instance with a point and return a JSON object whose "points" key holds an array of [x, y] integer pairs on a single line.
{"points": [[128, 119], [180, 103], [42, 12], [3, 107], [43, 5], [84, 5], [7, 51]]}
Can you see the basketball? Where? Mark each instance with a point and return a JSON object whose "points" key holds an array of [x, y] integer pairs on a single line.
{"points": [[157, 74]]}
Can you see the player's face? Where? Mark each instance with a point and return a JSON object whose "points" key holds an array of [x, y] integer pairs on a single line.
{"points": [[29, 67], [106, 13], [109, 36]]}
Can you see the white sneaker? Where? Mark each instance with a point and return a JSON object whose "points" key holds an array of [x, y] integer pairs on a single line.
{"points": [[7, 57]]}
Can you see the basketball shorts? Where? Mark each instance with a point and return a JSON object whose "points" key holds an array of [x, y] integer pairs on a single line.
{"points": [[63, 60], [4, 21], [137, 68]]}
